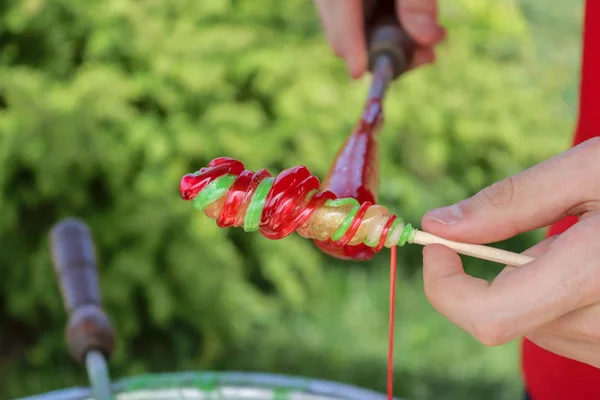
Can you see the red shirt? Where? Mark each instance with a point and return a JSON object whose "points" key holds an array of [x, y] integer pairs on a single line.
{"points": [[547, 375]]}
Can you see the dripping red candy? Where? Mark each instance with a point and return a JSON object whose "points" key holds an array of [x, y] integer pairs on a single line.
{"points": [[355, 173]]}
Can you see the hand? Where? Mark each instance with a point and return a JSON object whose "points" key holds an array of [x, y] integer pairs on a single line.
{"points": [[343, 24], [555, 300]]}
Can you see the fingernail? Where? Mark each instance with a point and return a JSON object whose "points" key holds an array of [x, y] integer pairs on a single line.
{"points": [[421, 25], [446, 215]]}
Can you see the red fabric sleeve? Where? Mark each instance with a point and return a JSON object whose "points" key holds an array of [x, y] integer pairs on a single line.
{"points": [[547, 375]]}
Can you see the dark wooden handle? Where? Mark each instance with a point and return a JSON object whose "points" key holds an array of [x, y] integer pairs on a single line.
{"points": [[74, 260], [386, 36]]}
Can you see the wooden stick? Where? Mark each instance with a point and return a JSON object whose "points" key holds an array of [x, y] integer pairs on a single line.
{"points": [[475, 250]]}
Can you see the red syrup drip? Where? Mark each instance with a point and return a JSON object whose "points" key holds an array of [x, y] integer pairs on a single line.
{"points": [[390, 369], [354, 173]]}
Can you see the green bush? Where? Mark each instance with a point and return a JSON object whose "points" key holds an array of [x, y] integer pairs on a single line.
{"points": [[103, 107]]}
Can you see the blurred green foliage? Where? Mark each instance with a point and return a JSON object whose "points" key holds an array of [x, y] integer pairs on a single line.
{"points": [[105, 105]]}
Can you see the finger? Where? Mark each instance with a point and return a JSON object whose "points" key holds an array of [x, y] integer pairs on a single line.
{"points": [[580, 325], [530, 200], [448, 288], [423, 56], [344, 27], [420, 19], [570, 348], [536, 251], [522, 300]]}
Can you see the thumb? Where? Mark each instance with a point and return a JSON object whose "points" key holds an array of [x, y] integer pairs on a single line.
{"points": [[544, 194]]}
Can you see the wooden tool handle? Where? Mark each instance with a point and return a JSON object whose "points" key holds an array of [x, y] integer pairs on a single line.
{"points": [[386, 36], [74, 262], [475, 250]]}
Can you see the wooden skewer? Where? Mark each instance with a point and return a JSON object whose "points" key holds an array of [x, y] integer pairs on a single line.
{"points": [[475, 250]]}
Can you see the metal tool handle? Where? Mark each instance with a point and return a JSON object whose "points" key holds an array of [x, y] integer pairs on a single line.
{"points": [[385, 36], [74, 259]]}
